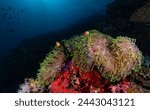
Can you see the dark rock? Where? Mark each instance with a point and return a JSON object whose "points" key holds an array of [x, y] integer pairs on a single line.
{"points": [[118, 23]]}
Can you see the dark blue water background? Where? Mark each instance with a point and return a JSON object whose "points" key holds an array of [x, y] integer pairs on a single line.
{"points": [[31, 26], [24, 19]]}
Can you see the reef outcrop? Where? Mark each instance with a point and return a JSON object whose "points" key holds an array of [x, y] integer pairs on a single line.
{"points": [[90, 62]]}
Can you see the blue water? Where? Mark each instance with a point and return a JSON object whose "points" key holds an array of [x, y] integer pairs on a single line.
{"points": [[23, 19]]}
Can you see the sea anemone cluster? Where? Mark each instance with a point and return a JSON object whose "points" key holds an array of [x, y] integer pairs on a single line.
{"points": [[114, 58], [90, 62]]}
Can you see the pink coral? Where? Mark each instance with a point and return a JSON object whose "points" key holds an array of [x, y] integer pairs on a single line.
{"points": [[126, 86]]}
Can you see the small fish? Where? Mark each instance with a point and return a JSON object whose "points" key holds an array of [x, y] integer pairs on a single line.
{"points": [[4, 17], [86, 33], [2, 9], [11, 30], [9, 22], [5, 13], [58, 44], [9, 8]]}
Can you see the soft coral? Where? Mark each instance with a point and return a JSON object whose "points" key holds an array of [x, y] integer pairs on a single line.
{"points": [[74, 80]]}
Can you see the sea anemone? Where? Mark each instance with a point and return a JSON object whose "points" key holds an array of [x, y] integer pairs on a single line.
{"points": [[51, 66], [88, 63], [114, 58]]}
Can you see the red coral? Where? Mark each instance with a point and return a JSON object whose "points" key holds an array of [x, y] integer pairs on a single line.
{"points": [[61, 84], [74, 80]]}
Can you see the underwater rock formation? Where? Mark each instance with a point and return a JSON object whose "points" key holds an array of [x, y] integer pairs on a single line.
{"points": [[90, 62], [118, 22], [121, 10], [142, 14], [143, 76], [114, 58]]}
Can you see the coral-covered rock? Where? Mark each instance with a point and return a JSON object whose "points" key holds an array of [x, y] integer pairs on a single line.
{"points": [[90, 62], [31, 86], [143, 77], [114, 58], [73, 80], [126, 86]]}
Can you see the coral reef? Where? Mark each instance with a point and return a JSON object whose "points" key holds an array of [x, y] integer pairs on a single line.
{"points": [[31, 86], [143, 76], [131, 18], [126, 86], [114, 58], [90, 62], [75, 80]]}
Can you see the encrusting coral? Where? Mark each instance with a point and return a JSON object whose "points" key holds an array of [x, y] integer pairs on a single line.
{"points": [[90, 62]]}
